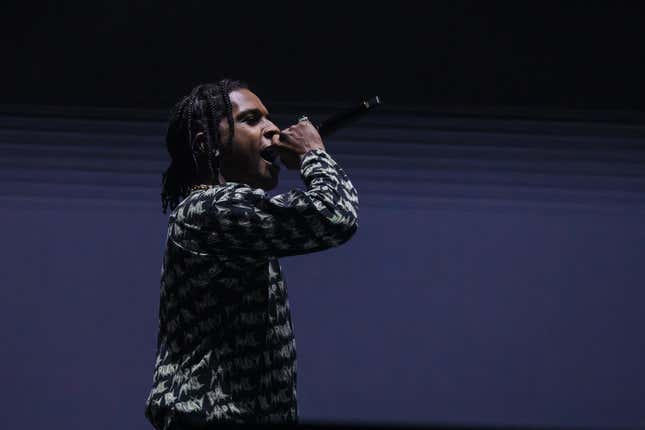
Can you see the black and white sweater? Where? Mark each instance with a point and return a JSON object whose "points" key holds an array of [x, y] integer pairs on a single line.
{"points": [[226, 348]]}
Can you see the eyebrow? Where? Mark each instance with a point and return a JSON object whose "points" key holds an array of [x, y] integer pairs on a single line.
{"points": [[254, 111]]}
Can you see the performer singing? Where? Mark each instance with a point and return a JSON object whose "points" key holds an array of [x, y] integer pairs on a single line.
{"points": [[226, 348]]}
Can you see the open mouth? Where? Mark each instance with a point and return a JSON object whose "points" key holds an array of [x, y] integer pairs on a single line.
{"points": [[270, 155]]}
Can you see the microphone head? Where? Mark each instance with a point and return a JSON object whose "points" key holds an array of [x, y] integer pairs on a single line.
{"points": [[342, 119]]}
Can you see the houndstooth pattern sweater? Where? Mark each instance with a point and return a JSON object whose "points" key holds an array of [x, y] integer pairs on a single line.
{"points": [[226, 347]]}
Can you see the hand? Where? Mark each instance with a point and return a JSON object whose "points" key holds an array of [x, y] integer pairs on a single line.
{"points": [[295, 141]]}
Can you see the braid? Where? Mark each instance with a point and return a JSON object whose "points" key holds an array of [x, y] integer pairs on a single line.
{"points": [[172, 188], [213, 136], [224, 90], [200, 111], [189, 128]]}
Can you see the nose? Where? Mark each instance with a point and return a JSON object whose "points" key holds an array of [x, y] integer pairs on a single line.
{"points": [[270, 130]]}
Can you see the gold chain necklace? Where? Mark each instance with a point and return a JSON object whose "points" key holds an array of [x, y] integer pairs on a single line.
{"points": [[199, 187]]}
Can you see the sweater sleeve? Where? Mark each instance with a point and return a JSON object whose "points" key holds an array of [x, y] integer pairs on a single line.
{"points": [[237, 220]]}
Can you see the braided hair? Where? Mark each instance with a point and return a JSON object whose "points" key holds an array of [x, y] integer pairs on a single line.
{"points": [[200, 111]]}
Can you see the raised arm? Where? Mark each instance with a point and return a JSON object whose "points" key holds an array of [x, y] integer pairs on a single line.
{"points": [[236, 220]]}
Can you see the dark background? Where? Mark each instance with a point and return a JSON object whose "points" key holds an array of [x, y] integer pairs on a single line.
{"points": [[568, 55], [497, 275]]}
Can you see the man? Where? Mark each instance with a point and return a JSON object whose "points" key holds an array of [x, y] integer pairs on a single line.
{"points": [[226, 349]]}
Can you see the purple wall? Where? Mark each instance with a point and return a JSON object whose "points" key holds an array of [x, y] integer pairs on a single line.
{"points": [[496, 278]]}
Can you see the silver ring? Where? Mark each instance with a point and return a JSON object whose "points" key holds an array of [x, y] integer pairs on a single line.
{"points": [[303, 118]]}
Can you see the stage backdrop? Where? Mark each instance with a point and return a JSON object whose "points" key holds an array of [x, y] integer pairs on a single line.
{"points": [[497, 277]]}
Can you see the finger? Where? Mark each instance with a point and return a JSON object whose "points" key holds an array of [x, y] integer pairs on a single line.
{"points": [[289, 134], [284, 137], [284, 143], [308, 124], [286, 132]]}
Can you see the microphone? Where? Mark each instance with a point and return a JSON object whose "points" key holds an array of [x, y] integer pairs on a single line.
{"points": [[346, 117], [333, 124]]}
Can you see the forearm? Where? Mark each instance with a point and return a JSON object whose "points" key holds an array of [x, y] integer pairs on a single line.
{"points": [[330, 190]]}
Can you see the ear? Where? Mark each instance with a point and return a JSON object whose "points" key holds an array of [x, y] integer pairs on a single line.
{"points": [[200, 142], [201, 145]]}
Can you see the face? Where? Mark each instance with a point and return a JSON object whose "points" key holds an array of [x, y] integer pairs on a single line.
{"points": [[241, 162]]}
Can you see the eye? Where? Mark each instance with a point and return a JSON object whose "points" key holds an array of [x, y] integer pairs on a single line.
{"points": [[252, 119]]}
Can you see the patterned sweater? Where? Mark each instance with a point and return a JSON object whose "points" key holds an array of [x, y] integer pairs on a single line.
{"points": [[226, 348]]}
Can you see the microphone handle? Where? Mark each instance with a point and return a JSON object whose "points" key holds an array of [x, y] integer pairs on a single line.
{"points": [[344, 118]]}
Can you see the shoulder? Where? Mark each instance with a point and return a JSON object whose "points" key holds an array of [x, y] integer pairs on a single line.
{"points": [[217, 198]]}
